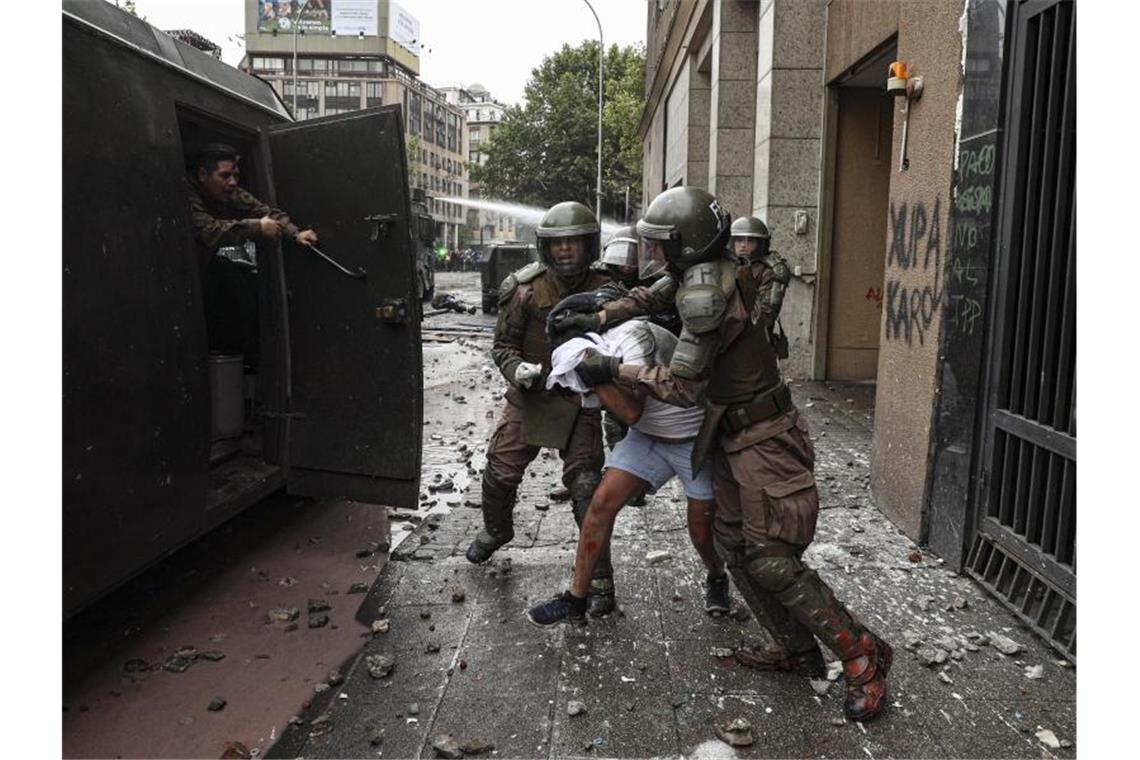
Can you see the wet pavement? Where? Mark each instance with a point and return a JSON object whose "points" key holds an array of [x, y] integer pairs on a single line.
{"points": [[453, 668]]}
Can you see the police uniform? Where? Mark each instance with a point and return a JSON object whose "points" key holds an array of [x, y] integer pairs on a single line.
{"points": [[534, 418], [761, 455]]}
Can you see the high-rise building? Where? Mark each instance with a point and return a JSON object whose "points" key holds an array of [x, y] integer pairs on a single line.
{"points": [[354, 54], [482, 114]]}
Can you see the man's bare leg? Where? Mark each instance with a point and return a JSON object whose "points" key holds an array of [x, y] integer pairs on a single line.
{"points": [[617, 488], [700, 518]]}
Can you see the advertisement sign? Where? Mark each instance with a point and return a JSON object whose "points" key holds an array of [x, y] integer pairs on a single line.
{"points": [[403, 27], [278, 15], [353, 17]]}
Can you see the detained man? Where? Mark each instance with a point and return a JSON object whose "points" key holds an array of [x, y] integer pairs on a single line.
{"points": [[658, 447]]}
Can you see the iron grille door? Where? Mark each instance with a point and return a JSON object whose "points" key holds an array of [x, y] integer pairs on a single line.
{"points": [[1025, 548]]}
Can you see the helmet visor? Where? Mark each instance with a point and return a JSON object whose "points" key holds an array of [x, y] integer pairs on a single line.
{"points": [[621, 252], [651, 260]]}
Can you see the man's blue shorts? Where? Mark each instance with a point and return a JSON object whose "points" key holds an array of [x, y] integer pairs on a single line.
{"points": [[655, 462]]}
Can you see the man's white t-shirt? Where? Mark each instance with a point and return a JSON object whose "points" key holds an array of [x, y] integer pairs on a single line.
{"points": [[642, 343]]}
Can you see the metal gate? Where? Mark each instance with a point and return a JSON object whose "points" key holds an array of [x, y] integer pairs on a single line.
{"points": [[1024, 551]]}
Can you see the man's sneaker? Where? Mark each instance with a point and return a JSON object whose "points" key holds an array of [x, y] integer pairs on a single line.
{"points": [[809, 663], [716, 594], [563, 608]]}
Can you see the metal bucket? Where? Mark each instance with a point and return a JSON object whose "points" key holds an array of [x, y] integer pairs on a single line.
{"points": [[226, 396]]}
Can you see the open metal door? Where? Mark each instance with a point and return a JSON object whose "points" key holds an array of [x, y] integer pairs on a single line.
{"points": [[355, 379], [1024, 550]]}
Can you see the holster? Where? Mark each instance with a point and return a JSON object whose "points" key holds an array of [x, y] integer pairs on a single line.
{"points": [[706, 436]]}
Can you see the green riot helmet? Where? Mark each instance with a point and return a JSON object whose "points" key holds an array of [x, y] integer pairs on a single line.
{"points": [[744, 231], [685, 226], [619, 255], [568, 219]]}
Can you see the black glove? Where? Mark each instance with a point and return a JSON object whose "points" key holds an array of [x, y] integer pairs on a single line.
{"points": [[571, 323], [597, 369]]}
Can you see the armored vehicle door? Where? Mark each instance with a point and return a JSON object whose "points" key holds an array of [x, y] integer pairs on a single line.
{"points": [[352, 402]]}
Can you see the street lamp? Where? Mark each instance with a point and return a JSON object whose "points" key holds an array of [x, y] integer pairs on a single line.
{"points": [[296, 24], [601, 65]]}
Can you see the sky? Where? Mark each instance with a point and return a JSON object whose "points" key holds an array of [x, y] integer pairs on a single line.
{"points": [[493, 42]]}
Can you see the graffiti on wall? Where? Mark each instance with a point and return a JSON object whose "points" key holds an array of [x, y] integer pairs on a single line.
{"points": [[973, 207], [914, 290]]}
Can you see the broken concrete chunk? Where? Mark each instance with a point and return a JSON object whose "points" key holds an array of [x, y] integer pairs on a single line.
{"points": [[1004, 644], [445, 745], [380, 626], [820, 686], [657, 556], [1035, 672], [176, 664], [414, 708], [1048, 738], [943, 677], [318, 621], [213, 655], [834, 670], [458, 594], [216, 704], [574, 707], [911, 639], [738, 733], [282, 614], [478, 745], [959, 603], [235, 751], [379, 665], [721, 651], [358, 588], [336, 678], [924, 603]]}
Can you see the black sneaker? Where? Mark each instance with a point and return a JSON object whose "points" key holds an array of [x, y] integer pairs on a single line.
{"points": [[563, 608], [716, 594]]}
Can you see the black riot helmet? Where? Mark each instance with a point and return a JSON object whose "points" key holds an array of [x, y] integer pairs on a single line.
{"points": [[689, 224], [563, 220], [751, 228]]}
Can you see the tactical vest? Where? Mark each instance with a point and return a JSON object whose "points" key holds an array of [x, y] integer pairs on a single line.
{"points": [[548, 417], [746, 367]]}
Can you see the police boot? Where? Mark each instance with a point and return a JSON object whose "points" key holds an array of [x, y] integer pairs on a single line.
{"points": [[498, 521], [866, 658], [601, 600]]}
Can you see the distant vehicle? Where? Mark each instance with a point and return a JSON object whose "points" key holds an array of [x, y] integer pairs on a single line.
{"points": [[425, 245], [499, 260], [163, 440]]}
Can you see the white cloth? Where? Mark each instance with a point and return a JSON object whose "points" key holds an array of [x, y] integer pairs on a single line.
{"points": [[565, 358], [639, 343]]}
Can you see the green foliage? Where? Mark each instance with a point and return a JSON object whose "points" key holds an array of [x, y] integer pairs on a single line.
{"points": [[545, 151]]}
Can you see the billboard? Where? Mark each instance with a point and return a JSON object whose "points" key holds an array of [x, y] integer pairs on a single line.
{"points": [[278, 15], [354, 17], [403, 27]]}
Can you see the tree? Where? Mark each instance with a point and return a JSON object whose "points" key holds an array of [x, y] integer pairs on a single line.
{"points": [[545, 151]]}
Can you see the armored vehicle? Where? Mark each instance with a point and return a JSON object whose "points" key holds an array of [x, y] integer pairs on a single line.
{"points": [[161, 440], [499, 260]]}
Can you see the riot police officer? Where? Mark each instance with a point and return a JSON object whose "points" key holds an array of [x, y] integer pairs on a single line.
{"points": [[533, 417], [620, 256], [762, 456], [750, 245]]}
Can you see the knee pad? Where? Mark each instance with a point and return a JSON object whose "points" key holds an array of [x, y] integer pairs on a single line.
{"points": [[773, 574]]}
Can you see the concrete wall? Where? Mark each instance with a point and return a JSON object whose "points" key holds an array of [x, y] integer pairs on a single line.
{"points": [[732, 104], [786, 154], [918, 237]]}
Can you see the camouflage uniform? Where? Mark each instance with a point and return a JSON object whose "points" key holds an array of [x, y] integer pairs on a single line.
{"points": [[232, 320]]}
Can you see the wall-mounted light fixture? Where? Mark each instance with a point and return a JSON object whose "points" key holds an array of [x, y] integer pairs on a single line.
{"points": [[900, 85]]}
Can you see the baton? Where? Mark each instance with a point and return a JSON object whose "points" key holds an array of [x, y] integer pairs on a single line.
{"points": [[355, 275]]}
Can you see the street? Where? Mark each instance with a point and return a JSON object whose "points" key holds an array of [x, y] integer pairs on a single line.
{"points": [[437, 659]]}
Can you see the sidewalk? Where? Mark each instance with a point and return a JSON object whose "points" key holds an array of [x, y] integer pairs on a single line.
{"points": [[653, 678]]}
